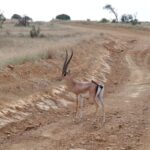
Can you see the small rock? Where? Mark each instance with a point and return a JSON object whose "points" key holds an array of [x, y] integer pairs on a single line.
{"points": [[122, 148], [10, 67], [72, 145], [115, 83], [8, 132], [130, 135], [83, 142], [112, 144], [100, 139], [129, 147], [113, 138], [120, 126], [108, 148]]}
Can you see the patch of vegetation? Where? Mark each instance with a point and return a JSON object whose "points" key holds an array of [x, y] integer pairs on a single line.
{"points": [[135, 22], [104, 20], [63, 17], [128, 18], [27, 58], [16, 16], [34, 32], [2, 19]]}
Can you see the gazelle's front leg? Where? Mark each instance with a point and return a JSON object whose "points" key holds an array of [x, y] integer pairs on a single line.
{"points": [[92, 98], [79, 105], [103, 109], [75, 116]]}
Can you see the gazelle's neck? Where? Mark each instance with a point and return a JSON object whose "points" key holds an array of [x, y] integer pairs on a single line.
{"points": [[70, 81]]}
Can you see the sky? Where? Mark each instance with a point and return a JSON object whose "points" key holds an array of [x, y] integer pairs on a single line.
{"points": [[45, 10]]}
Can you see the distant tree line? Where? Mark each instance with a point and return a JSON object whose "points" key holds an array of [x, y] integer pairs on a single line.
{"points": [[25, 20]]}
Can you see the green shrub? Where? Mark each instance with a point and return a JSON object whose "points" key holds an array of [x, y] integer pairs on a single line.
{"points": [[134, 22], [2, 19], [16, 16], [114, 21], [104, 20], [34, 32], [63, 17]]}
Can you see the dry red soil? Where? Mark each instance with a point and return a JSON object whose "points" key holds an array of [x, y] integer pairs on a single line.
{"points": [[36, 109]]}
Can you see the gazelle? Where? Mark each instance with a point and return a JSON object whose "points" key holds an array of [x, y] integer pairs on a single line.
{"points": [[94, 89]]}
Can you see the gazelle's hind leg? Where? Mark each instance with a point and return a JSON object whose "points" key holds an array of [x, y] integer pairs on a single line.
{"points": [[97, 111], [96, 108], [103, 110], [92, 97], [100, 101]]}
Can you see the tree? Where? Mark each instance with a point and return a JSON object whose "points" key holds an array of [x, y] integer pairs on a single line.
{"points": [[126, 18], [112, 10], [63, 17], [2, 19], [22, 21], [16, 16], [104, 20]]}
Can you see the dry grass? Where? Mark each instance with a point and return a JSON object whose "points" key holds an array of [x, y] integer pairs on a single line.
{"points": [[17, 47]]}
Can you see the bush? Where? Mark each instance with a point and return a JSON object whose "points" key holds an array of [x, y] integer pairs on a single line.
{"points": [[126, 18], [16, 16], [63, 17], [104, 20], [34, 32], [2, 19], [134, 22], [114, 21]]}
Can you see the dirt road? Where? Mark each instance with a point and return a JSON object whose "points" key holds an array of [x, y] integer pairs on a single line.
{"points": [[37, 109]]}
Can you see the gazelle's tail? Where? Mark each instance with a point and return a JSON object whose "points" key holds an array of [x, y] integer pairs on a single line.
{"points": [[99, 91]]}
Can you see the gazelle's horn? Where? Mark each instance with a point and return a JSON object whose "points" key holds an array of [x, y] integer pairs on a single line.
{"points": [[64, 66], [67, 64]]}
